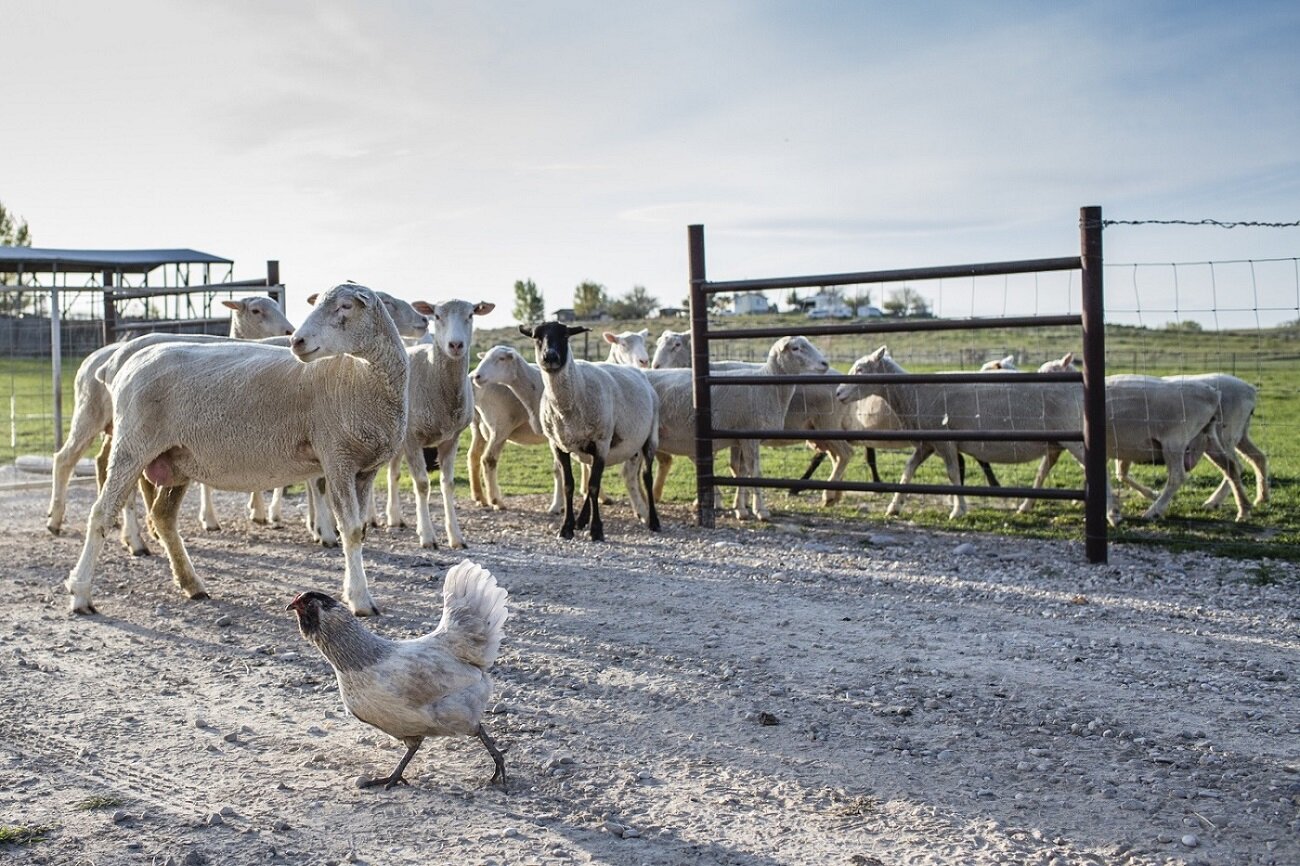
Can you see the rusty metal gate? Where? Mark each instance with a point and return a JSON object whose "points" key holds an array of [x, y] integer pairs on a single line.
{"points": [[1093, 436]]}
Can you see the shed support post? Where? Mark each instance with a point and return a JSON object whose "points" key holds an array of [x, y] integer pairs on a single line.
{"points": [[1094, 387], [700, 372]]}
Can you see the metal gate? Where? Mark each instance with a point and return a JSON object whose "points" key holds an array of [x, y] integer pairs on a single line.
{"points": [[1093, 436]]}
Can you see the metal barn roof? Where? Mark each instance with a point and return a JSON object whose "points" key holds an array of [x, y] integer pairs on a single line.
{"points": [[37, 260]]}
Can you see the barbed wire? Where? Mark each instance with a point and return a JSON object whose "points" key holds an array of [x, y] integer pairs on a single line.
{"points": [[1225, 224]]}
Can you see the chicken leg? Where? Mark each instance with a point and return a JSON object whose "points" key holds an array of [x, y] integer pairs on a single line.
{"points": [[412, 746], [497, 757]]}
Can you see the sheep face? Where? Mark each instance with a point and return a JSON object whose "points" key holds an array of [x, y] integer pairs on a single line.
{"points": [[453, 325], [410, 322], [257, 319], [497, 366], [324, 332], [797, 355], [551, 342], [628, 348], [672, 350], [877, 362], [1064, 364]]}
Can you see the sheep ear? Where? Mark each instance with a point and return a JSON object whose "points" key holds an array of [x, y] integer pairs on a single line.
{"points": [[234, 305], [424, 308], [482, 308], [525, 330], [482, 355], [644, 332], [1068, 360], [882, 352], [610, 336], [311, 299]]}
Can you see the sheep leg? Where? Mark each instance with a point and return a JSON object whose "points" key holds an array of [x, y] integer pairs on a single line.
{"points": [[1044, 467], [393, 510], [919, 455], [741, 466], [166, 513], [1123, 479], [257, 508], [275, 513], [647, 478], [1177, 475], [818, 458], [1259, 463], [132, 529], [488, 465], [447, 483], [841, 453], [474, 464], [420, 481], [65, 461], [1226, 460], [948, 451], [565, 462], [593, 493], [343, 484], [664, 462], [320, 518], [988, 474], [871, 464], [119, 481], [557, 489], [207, 511]]}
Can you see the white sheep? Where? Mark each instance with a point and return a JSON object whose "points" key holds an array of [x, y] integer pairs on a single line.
{"points": [[628, 348], [602, 413], [251, 417], [734, 407], [92, 413], [1029, 406], [1237, 402], [440, 405], [507, 400]]}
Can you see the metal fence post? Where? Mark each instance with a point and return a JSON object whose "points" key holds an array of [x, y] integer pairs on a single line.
{"points": [[699, 303], [1094, 386], [56, 361]]}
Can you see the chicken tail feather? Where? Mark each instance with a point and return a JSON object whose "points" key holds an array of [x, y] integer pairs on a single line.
{"points": [[473, 614]]}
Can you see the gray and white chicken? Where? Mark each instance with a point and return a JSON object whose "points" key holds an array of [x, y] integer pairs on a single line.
{"points": [[431, 686]]}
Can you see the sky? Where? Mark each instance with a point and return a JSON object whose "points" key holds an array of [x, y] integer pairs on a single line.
{"points": [[447, 149]]}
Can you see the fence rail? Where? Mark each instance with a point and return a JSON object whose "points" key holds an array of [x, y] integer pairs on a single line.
{"points": [[1094, 493]]}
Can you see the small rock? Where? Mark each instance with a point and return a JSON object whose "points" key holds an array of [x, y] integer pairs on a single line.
{"points": [[1190, 840], [362, 781], [280, 826], [200, 723], [966, 548], [228, 811], [120, 815], [215, 820], [192, 858], [315, 731], [232, 737], [766, 719], [223, 621]]}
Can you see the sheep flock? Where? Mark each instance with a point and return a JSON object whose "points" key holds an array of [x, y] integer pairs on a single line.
{"points": [[363, 384]]}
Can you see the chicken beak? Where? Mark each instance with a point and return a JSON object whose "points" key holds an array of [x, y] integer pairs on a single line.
{"points": [[296, 604]]}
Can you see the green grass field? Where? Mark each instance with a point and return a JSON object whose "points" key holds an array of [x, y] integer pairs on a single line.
{"points": [[1269, 359]]}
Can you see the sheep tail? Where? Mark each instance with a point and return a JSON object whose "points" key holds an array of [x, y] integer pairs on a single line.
{"points": [[473, 614]]}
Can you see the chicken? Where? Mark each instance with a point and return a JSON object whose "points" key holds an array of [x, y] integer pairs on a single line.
{"points": [[431, 686]]}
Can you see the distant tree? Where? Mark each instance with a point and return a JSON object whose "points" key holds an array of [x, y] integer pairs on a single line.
{"points": [[530, 306], [793, 299], [13, 233], [859, 300], [719, 303], [589, 299], [1187, 326], [907, 301], [636, 304]]}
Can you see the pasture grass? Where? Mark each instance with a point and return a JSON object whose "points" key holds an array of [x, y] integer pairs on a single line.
{"points": [[98, 801], [1269, 359], [23, 834]]}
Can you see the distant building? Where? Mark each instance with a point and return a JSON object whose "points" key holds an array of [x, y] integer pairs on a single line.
{"points": [[749, 303], [673, 312], [871, 313], [565, 314], [825, 305]]}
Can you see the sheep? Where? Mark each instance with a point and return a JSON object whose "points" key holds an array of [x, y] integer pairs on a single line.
{"points": [[628, 348], [440, 405], [734, 407], [250, 319], [975, 406], [251, 417], [1237, 402], [605, 414], [507, 399]]}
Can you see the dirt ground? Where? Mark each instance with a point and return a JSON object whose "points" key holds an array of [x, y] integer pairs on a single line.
{"points": [[804, 692]]}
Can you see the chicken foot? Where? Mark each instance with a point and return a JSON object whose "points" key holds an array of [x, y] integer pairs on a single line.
{"points": [[412, 746]]}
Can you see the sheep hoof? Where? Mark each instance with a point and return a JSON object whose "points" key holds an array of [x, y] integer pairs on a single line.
{"points": [[371, 610], [86, 609], [54, 530], [201, 595]]}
